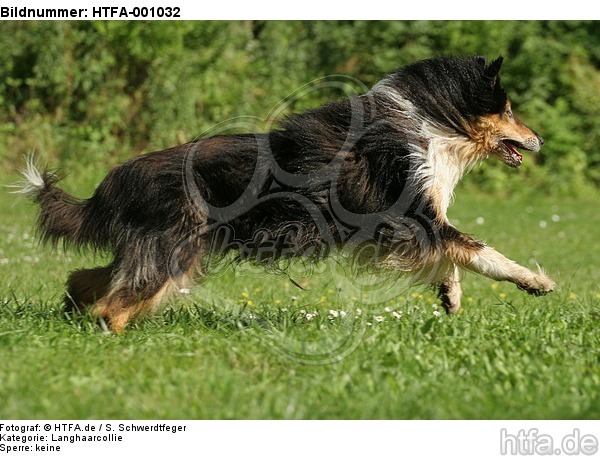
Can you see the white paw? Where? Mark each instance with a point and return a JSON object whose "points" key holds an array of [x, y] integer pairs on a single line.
{"points": [[538, 285]]}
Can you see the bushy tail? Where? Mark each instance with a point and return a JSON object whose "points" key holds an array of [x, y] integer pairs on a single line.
{"points": [[61, 215]]}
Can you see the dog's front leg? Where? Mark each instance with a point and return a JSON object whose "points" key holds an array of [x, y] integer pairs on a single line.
{"points": [[477, 257], [493, 264], [450, 292]]}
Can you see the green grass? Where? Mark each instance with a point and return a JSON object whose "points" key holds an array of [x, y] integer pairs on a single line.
{"points": [[249, 345]]}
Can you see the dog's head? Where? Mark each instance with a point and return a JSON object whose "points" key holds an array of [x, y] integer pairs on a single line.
{"points": [[464, 95], [498, 132]]}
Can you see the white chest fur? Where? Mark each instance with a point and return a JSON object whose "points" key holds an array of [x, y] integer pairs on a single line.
{"points": [[447, 158]]}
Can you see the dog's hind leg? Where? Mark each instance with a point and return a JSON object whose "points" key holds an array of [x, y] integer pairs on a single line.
{"points": [[450, 292], [113, 298], [139, 285], [86, 286], [123, 304]]}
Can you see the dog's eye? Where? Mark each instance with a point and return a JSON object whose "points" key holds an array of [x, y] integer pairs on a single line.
{"points": [[509, 113]]}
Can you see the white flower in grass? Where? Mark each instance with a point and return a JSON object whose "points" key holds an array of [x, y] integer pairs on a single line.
{"points": [[358, 312], [437, 313], [342, 313], [387, 309], [334, 313], [379, 318], [480, 220], [310, 316], [396, 314], [543, 224], [184, 291]]}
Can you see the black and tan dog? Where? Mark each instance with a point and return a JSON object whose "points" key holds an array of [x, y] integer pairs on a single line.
{"points": [[371, 176]]}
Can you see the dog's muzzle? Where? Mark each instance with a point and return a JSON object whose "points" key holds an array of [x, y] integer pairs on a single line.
{"points": [[507, 149]]}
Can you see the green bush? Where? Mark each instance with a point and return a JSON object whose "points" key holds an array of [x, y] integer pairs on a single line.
{"points": [[92, 94]]}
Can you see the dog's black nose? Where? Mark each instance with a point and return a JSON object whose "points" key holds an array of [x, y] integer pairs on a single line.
{"points": [[540, 139]]}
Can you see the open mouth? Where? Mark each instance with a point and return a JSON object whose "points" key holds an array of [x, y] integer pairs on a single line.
{"points": [[509, 153]]}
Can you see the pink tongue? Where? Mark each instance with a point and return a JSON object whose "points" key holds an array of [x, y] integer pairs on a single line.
{"points": [[513, 150]]}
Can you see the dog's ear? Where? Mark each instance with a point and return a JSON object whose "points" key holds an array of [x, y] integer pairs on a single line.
{"points": [[493, 69]]}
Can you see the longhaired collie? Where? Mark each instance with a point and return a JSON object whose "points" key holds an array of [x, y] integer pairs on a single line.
{"points": [[371, 176]]}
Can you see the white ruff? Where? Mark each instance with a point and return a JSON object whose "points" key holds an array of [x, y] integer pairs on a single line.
{"points": [[448, 157]]}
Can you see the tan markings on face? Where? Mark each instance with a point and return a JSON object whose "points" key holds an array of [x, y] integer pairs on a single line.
{"points": [[499, 135]]}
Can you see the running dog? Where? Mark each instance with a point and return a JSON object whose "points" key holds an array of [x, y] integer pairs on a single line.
{"points": [[371, 176]]}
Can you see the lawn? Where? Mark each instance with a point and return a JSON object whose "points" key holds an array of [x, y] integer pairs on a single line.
{"points": [[249, 345]]}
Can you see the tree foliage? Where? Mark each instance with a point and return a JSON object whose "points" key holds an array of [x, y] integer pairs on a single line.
{"points": [[95, 93]]}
